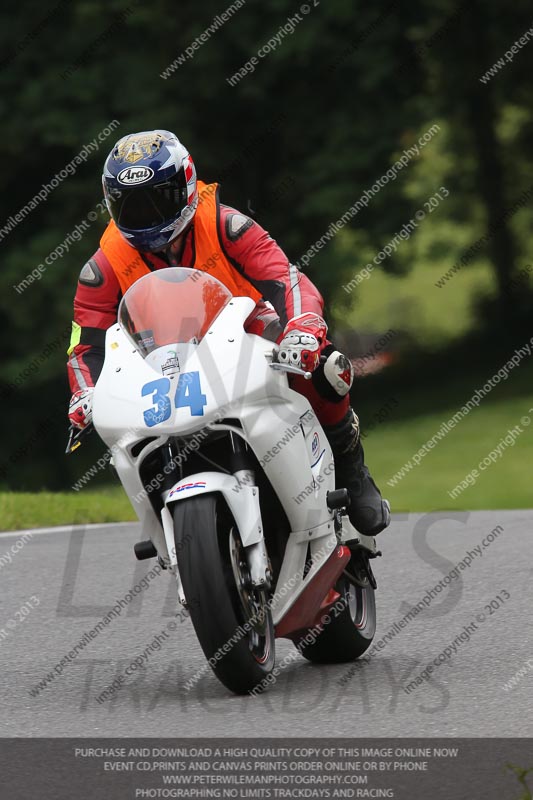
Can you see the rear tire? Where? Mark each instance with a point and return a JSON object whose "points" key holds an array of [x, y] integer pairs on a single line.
{"points": [[346, 636], [213, 573]]}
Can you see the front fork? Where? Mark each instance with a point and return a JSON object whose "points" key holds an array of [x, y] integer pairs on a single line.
{"points": [[256, 554]]}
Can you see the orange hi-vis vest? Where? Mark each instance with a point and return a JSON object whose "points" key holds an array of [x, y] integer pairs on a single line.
{"points": [[209, 255]]}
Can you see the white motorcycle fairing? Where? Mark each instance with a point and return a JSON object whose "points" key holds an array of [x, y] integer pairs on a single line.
{"points": [[223, 381]]}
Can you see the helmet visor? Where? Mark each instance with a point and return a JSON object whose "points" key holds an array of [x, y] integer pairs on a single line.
{"points": [[142, 207]]}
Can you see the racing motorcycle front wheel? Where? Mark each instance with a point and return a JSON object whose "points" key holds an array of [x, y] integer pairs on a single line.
{"points": [[232, 619]]}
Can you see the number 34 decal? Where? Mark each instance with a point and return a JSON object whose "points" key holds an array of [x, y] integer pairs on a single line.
{"points": [[188, 393]]}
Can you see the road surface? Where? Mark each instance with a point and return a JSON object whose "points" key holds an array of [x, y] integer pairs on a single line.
{"points": [[59, 584]]}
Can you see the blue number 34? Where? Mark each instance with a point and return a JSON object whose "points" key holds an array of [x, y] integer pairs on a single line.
{"points": [[188, 393]]}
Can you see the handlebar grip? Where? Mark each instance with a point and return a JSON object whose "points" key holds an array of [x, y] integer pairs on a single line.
{"points": [[75, 435]]}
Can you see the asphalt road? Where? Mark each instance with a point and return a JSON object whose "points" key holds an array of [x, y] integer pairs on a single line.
{"points": [[61, 583]]}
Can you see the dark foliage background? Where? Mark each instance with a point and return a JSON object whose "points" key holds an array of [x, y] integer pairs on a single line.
{"points": [[319, 120]]}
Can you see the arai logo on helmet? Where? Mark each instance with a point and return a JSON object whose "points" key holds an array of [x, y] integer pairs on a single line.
{"points": [[134, 175]]}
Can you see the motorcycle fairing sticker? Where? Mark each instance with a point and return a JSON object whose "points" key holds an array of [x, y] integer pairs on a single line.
{"points": [[188, 395], [185, 486], [318, 459]]}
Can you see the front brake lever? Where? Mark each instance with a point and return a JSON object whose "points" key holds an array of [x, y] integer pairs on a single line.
{"points": [[288, 368], [74, 437]]}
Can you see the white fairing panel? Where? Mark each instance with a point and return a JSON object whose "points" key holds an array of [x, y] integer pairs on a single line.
{"points": [[235, 381], [181, 389]]}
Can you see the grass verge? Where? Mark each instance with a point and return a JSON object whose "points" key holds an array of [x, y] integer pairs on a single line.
{"points": [[20, 510], [505, 484]]}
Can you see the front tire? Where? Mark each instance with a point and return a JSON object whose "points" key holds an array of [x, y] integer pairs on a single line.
{"points": [[232, 620], [349, 633]]}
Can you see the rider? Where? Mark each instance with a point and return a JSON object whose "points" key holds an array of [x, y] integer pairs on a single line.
{"points": [[161, 216]]}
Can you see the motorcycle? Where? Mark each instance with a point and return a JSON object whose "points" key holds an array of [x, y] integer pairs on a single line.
{"points": [[232, 479]]}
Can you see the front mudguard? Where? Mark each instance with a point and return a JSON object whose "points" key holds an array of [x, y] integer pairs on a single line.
{"points": [[242, 501]]}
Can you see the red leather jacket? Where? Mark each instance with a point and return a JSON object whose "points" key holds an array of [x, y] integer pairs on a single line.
{"points": [[286, 291]]}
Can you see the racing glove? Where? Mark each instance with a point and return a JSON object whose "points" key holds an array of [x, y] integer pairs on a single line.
{"points": [[80, 410], [303, 340]]}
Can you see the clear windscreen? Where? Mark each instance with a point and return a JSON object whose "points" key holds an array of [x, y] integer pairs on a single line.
{"points": [[171, 306]]}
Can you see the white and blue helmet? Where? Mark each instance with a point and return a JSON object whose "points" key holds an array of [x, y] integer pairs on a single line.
{"points": [[150, 188]]}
